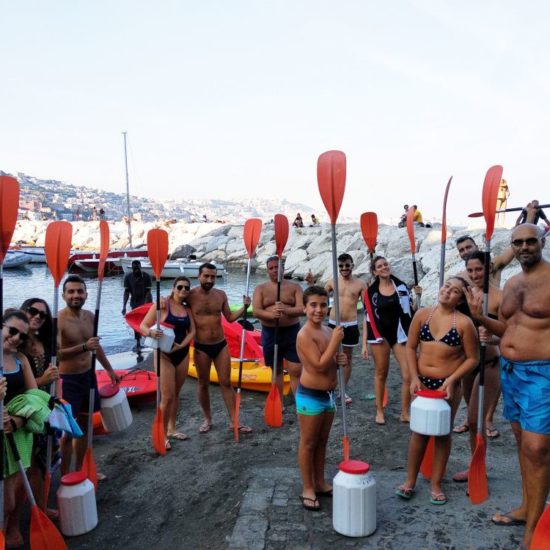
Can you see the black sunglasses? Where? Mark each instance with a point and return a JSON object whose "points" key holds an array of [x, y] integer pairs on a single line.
{"points": [[14, 331], [345, 266], [531, 241], [183, 287], [33, 312]]}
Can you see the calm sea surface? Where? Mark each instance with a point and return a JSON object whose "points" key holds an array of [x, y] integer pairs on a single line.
{"points": [[36, 281]]}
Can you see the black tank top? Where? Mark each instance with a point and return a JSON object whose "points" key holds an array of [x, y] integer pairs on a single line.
{"points": [[16, 381]]}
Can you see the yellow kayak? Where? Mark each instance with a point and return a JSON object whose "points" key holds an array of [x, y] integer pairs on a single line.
{"points": [[256, 376]]}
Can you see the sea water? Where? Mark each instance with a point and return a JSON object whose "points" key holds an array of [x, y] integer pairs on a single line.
{"points": [[116, 336]]}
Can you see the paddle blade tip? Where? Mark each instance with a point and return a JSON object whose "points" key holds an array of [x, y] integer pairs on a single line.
{"points": [[331, 178]]}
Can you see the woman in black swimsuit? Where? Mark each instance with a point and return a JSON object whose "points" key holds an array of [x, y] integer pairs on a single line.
{"points": [[448, 350], [173, 365], [388, 312]]}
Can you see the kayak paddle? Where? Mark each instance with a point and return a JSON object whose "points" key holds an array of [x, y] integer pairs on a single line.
{"points": [[514, 209], [9, 206], [444, 234], [477, 473], [410, 233], [157, 249], [57, 247], [88, 464], [251, 236], [331, 178], [273, 411], [541, 535], [43, 533]]}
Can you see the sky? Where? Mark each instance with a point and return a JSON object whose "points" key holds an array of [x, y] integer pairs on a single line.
{"points": [[235, 99]]}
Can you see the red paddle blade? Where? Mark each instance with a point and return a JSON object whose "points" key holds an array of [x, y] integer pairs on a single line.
{"points": [[444, 217], [89, 467], [157, 433], [369, 229], [2, 540], [273, 411], [410, 228], [9, 206], [541, 536], [251, 235], [331, 178], [103, 248], [428, 460], [385, 398], [236, 417], [43, 533], [345, 443], [157, 249], [281, 233], [489, 198], [58, 248], [477, 474]]}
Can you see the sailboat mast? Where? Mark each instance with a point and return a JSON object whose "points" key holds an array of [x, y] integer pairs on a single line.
{"points": [[128, 211]]}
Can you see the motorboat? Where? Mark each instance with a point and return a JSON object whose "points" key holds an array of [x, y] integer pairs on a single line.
{"points": [[16, 259], [188, 267], [36, 253], [88, 262]]}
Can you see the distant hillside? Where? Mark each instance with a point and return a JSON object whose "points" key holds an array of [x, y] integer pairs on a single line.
{"points": [[52, 199]]}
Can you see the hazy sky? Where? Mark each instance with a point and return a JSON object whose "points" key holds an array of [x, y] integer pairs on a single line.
{"points": [[234, 98]]}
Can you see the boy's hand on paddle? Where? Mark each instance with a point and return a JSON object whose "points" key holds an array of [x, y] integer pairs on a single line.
{"points": [[337, 334], [50, 375], [341, 359]]}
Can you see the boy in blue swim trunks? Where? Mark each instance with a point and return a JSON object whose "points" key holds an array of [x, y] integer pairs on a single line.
{"points": [[317, 347]]}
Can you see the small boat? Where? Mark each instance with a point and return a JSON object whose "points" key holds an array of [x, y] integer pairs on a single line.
{"points": [[36, 253], [16, 259], [172, 268], [87, 262]]}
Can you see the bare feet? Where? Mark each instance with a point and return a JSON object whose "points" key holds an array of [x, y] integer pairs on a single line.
{"points": [[404, 418], [205, 427], [380, 419]]}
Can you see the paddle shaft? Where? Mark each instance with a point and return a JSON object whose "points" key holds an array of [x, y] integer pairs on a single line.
{"points": [[276, 331], [1, 403], [91, 400], [415, 271], [336, 297], [243, 333], [17, 457], [158, 343]]}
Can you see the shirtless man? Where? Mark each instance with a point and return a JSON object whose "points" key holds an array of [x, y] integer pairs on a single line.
{"points": [[207, 305], [350, 290], [524, 328], [466, 245], [75, 340], [286, 313]]}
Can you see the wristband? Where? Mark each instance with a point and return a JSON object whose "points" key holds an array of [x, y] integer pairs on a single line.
{"points": [[84, 347]]}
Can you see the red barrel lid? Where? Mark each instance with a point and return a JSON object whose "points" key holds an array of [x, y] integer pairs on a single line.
{"points": [[108, 390], [167, 325], [74, 478], [356, 467], [434, 394]]}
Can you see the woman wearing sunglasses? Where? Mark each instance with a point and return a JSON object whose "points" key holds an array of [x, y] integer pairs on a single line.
{"points": [[175, 364], [18, 374]]}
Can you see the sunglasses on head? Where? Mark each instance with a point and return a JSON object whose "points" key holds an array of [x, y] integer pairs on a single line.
{"points": [[14, 331], [344, 266], [33, 312], [183, 287], [531, 241]]}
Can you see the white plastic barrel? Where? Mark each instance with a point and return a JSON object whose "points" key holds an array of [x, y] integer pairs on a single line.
{"points": [[115, 409], [76, 503], [430, 413], [166, 341], [354, 500]]}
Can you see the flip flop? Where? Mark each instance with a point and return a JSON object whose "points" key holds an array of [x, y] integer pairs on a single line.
{"points": [[405, 492], [314, 507], [462, 429], [435, 498], [506, 520], [324, 493], [492, 433], [461, 477], [205, 427], [177, 435], [243, 429]]}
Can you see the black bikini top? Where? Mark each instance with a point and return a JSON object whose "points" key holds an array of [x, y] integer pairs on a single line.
{"points": [[452, 338]]}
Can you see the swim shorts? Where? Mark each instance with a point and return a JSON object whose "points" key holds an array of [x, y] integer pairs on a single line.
{"points": [[313, 402], [351, 332], [287, 344], [76, 390], [526, 392]]}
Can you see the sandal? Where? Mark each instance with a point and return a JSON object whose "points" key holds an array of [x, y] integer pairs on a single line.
{"points": [[492, 433], [462, 429], [177, 435], [438, 498], [314, 507], [405, 492], [461, 477], [205, 427]]}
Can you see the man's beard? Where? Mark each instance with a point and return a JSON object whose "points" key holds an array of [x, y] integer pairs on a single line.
{"points": [[207, 286]]}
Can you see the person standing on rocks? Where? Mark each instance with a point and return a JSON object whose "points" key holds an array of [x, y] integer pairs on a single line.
{"points": [[137, 287], [524, 329], [286, 313], [207, 305], [76, 343], [350, 290]]}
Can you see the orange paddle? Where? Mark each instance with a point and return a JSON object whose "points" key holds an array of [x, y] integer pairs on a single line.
{"points": [[541, 535], [444, 234], [88, 464], [410, 233], [251, 237], [57, 247], [43, 533], [427, 461], [9, 205], [157, 249], [273, 411], [477, 473], [331, 178]]}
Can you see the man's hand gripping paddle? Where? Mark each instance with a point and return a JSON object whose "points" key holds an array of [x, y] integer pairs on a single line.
{"points": [[57, 247], [88, 464], [157, 249], [273, 411], [477, 473], [251, 237], [331, 178], [9, 206]]}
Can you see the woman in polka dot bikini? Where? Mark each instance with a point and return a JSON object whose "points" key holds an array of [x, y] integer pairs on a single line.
{"points": [[448, 349]]}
